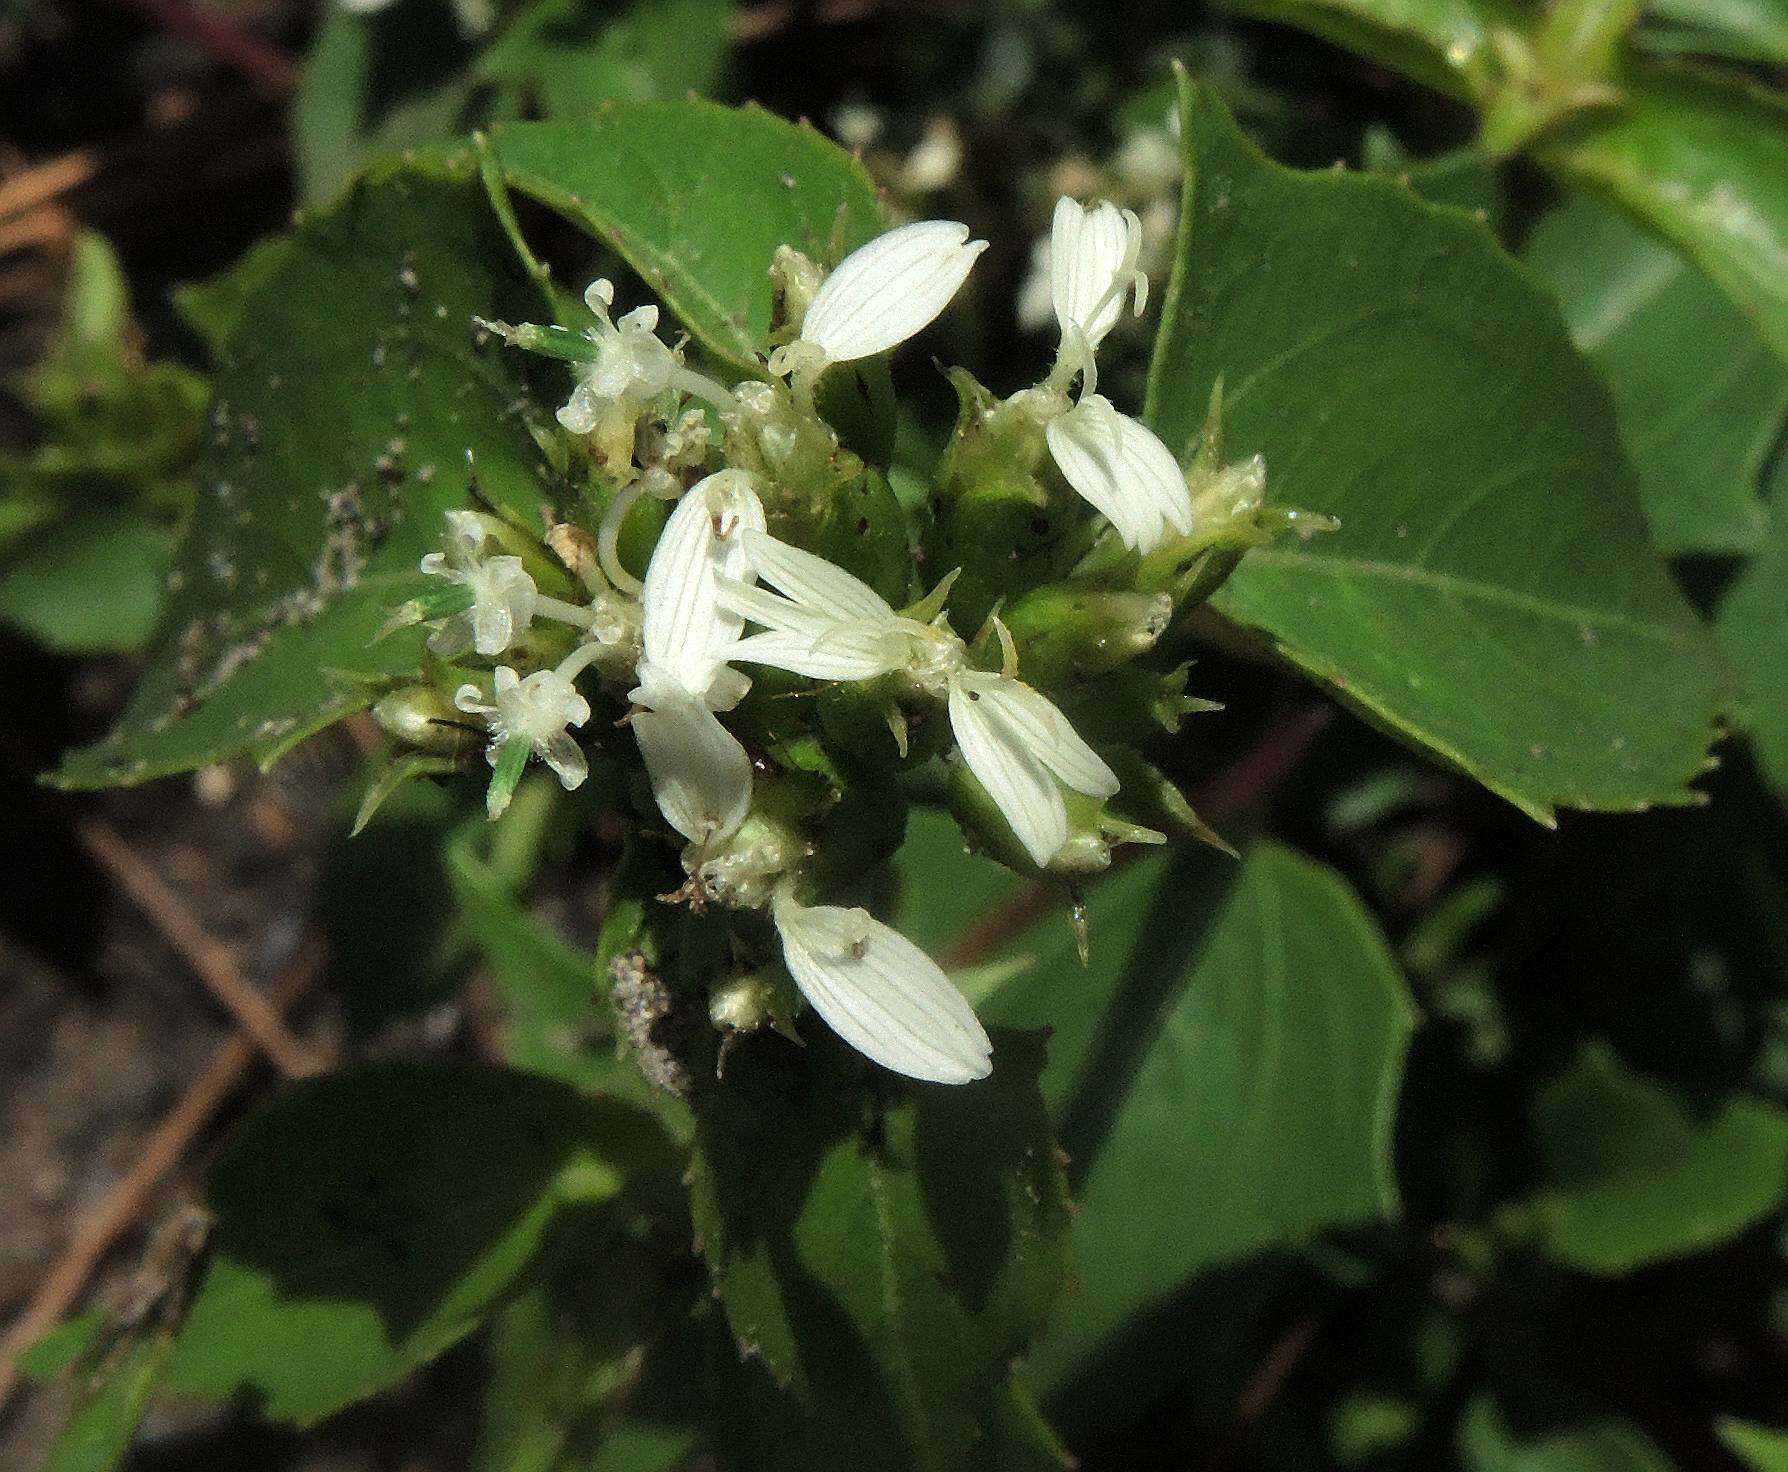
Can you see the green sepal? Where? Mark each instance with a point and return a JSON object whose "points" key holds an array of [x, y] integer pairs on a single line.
{"points": [[1149, 797], [861, 718], [1002, 512], [1093, 830], [857, 523], [512, 761], [1133, 705], [857, 400], [439, 602], [392, 772], [548, 342]]}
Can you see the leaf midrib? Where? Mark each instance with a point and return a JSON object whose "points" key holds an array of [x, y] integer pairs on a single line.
{"points": [[1443, 582]]}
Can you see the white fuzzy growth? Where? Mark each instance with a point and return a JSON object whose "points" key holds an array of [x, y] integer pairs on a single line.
{"points": [[1119, 465], [882, 994], [886, 291], [1093, 254]]}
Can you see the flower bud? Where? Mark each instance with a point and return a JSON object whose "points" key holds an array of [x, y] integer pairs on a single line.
{"points": [[1093, 831], [1004, 516], [790, 451], [794, 282], [422, 718], [741, 1003], [1072, 631]]}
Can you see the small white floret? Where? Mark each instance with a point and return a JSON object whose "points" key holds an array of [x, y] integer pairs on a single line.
{"points": [[631, 364], [504, 598], [536, 710]]}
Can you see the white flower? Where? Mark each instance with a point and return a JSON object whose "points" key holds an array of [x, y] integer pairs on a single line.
{"points": [[1093, 251], [700, 774], [822, 622], [881, 993], [535, 710], [631, 364], [1120, 466], [826, 624], [882, 293], [1115, 462], [1018, 744], [686, 631], [503, 595]]}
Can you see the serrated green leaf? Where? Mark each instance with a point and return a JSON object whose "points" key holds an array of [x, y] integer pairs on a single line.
{"points": [[700, 221], [1445, 43], [1487, 1443], [1699, 396], [214, 306], [1224, 1076], [885, 1249], [1491, 593], [1635, 1175], [1703, 160], [350, 403], [370, 1219], [570, 56]]}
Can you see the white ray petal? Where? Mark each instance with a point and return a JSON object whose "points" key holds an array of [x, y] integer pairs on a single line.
{"points": [[701, 776], [1021, 787], [684, 624], [884, 292], [1090, 248], [1039, 728], [1118, 464], [882, 994], [772, 610], [841, 651], [812, 581]]}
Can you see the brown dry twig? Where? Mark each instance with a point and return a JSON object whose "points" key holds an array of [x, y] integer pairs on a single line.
{"points": [[213, 961], [115, 1215], [46, 182]]}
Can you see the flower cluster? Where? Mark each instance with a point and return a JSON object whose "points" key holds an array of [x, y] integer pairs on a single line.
{"points": [[734, 583]]}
